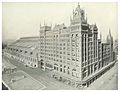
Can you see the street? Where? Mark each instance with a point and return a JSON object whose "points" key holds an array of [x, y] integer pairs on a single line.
{"points": [[40, 75], [108, 81]]}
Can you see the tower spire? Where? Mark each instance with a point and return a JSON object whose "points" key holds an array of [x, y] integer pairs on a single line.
{"points": [[78, 3], [109, 32]]}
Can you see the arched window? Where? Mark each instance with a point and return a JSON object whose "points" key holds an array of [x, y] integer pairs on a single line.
{"points": [[73, 72], [55, 67]]}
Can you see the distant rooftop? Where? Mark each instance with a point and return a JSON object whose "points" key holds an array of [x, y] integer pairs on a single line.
{"points": [[31, 37], [26, 42]]}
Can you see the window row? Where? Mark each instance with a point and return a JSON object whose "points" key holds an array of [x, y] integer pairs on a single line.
{"points": [[19, 50]]}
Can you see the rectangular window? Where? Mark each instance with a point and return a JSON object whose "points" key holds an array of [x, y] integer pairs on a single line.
{"points": [[60, 69]]}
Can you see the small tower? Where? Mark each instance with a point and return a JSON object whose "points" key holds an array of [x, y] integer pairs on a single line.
{"points": [[78, 15], [109, 37], [110, 42], [86, 18]]}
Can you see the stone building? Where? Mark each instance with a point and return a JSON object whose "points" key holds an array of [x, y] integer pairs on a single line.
{"points": [[74, 54], [115, 49]]}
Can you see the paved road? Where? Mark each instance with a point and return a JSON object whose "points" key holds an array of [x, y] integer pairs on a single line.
{"points": [[41, 76]]}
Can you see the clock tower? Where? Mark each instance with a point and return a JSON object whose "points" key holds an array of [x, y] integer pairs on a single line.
{"points": [[78, 16], [75, 31]]}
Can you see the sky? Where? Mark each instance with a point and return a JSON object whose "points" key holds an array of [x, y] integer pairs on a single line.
{"points": [[24, 19]]}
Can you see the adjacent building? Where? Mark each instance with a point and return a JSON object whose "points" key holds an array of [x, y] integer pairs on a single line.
{"points": [[115, 49], [25, 50]]}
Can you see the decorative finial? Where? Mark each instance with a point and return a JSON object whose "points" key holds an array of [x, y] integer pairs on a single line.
{"points": [[44, 23], [100, 35], [40, 24], [78, 4], [109, 32], [86, 17], [70, 18], [73, 11], [51, 25]]}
